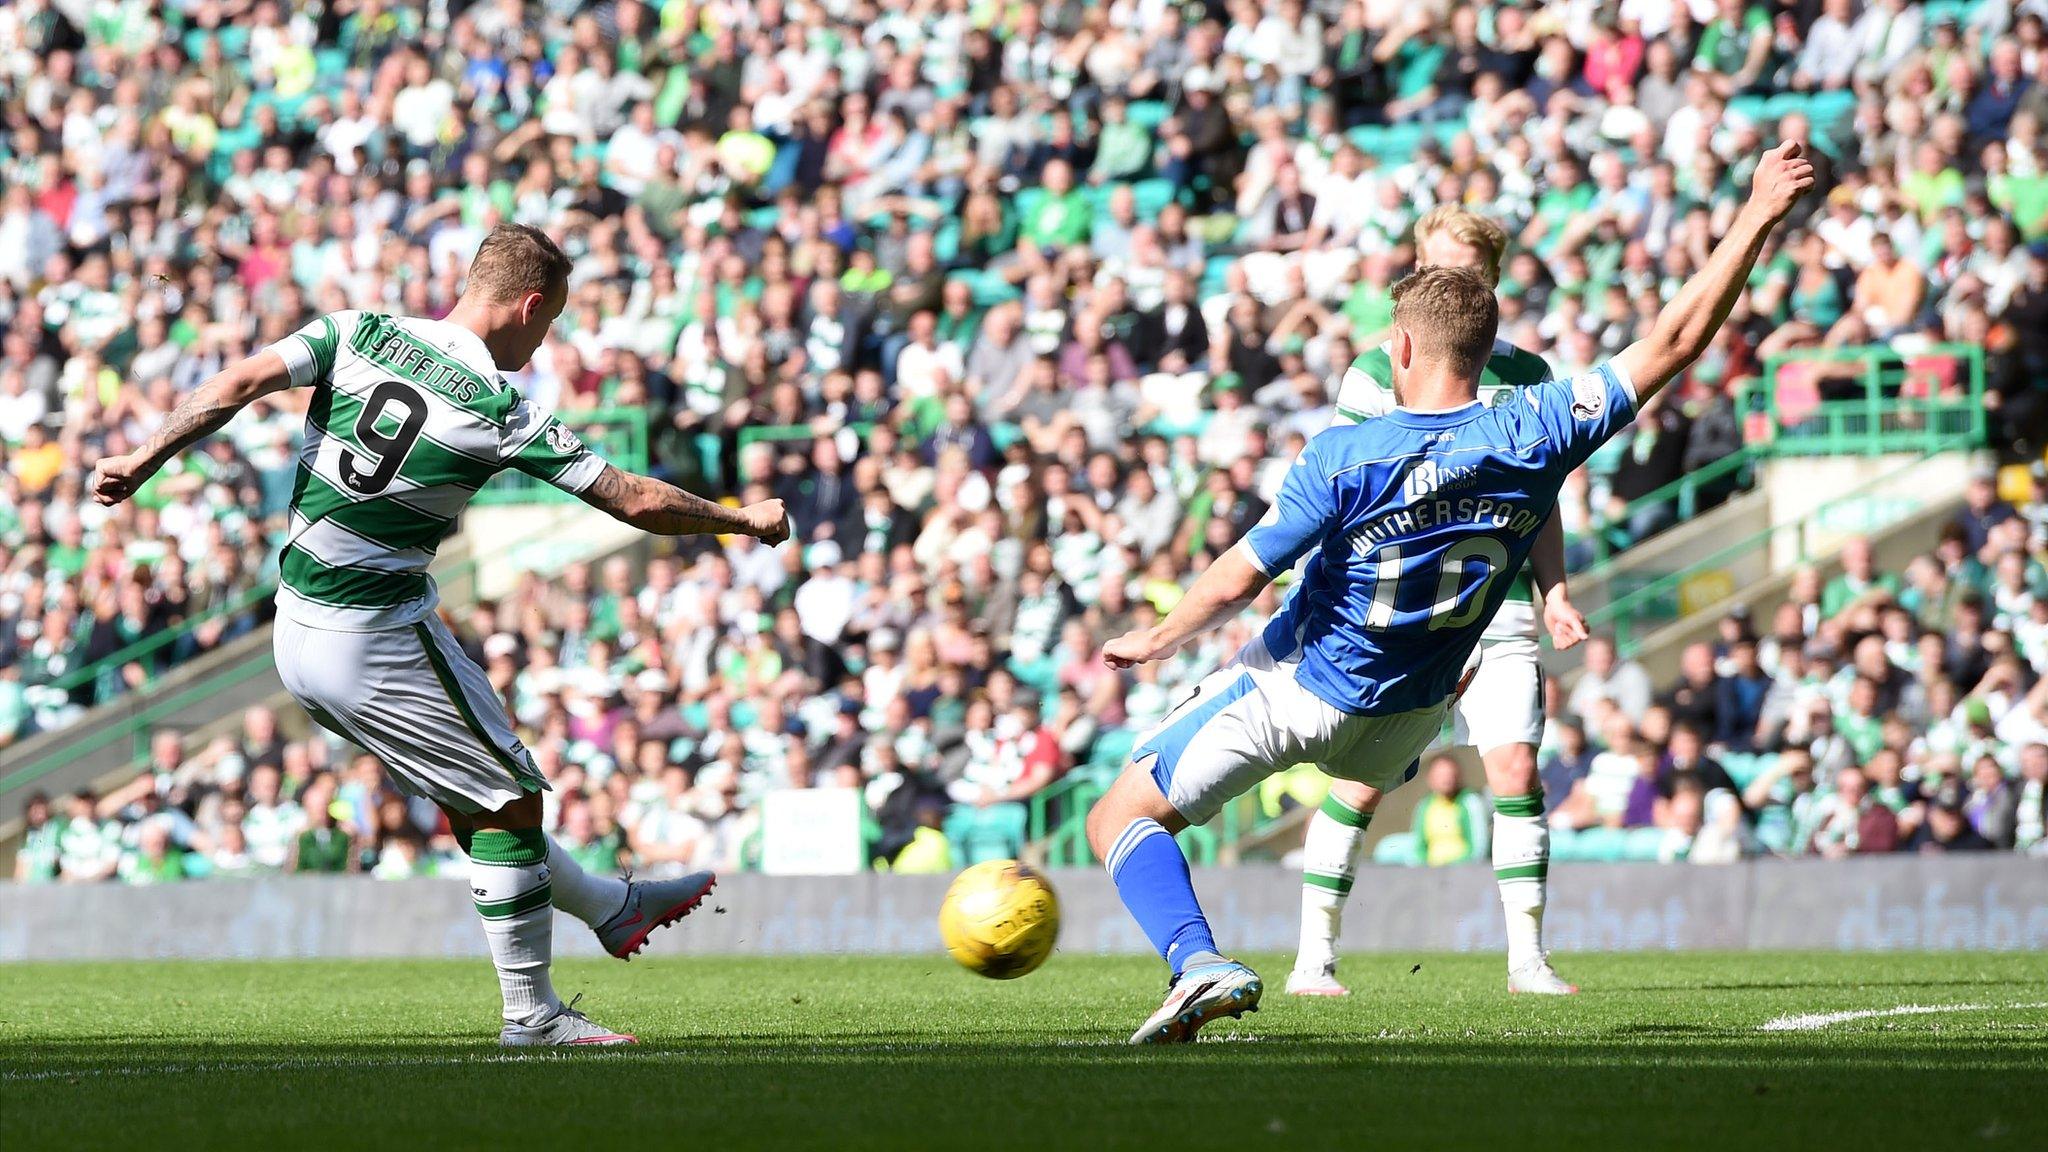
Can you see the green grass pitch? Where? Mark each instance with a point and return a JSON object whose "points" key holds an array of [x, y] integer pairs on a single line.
{"points": [[1661, 1051]]}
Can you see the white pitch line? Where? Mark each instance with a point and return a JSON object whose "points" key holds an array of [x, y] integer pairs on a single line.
{"points": [[1813, 1021]]}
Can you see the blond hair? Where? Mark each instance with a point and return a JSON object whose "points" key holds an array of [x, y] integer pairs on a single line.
{"points": [[1489, 239], [1452, 316]]}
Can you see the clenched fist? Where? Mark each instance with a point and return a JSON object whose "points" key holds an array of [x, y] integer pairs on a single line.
{"points": [[767, 521], [116, 478], [1782, 177]]}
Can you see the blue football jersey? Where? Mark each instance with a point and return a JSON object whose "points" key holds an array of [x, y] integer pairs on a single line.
{"points": [[1423, 518]]}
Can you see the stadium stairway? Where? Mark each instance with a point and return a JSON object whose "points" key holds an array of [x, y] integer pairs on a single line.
{"points": [[1675, 589], [204, 698]]}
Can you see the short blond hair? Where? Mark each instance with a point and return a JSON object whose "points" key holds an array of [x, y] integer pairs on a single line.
{"points": [[1466, 227], [1451, 314]]}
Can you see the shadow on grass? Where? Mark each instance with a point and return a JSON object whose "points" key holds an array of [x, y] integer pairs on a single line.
{"points": [[899, 1089]]}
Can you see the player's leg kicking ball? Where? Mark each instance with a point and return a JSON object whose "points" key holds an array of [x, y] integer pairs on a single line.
{"points": [[1243, 722], [410, 696], [518, 878], [1151, 874]]}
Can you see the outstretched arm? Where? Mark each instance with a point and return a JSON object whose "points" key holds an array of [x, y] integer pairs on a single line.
{"points": [[1219, 593], [206, 411], [1565, 623], [666, 510], [1687, 324]]}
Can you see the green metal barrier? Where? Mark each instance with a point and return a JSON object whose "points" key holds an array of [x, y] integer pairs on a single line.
{"points": [[1732, 471], [136, 726], [1058, 819], [1788, 418], [249, 599], [617, 434], [1883, 413], [1632, 615]]}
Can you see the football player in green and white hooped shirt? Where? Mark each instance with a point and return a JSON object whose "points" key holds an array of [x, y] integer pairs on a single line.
{"points": [[1501, 710], [409, 417]]}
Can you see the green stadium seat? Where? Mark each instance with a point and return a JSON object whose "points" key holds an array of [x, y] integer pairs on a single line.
{"points": [[1148, 114], [989, 288], [1774, 829], [1151, 196], [946, 241], [1933, 10], [1599, 844], [1827, 109], [1398, 849], [1745, 767], [1173, 429], [1113, 747], [1642, 844], [1215, 274], [1042, 676]]}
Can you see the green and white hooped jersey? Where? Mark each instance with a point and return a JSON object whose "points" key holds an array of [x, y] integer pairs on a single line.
{"points": [[409, 418], [1368, 391]]}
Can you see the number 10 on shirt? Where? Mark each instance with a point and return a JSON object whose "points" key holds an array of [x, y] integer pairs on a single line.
{"points": [[1459, 600]]}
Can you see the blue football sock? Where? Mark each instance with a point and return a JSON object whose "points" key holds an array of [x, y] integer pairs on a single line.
{"points": [[1152, 877]]}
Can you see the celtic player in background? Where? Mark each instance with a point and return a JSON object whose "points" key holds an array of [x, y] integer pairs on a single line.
{"points": [[409, 417], [1501, 711]]}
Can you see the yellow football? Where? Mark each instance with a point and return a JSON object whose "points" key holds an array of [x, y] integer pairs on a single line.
{"points": [[1000, 919]]}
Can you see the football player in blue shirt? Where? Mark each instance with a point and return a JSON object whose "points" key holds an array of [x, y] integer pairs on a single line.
{"points": [[1420, 515]]}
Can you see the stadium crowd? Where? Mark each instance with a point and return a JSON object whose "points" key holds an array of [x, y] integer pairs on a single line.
{"points": [[1046, 297]]}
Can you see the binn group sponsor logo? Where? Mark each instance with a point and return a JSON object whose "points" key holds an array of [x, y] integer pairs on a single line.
{"points": [[1429, 477]]}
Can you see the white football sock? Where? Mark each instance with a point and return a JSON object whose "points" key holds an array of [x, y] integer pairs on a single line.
{"points": [[1329, 864], [1521, 868], [591, 899], [508, 876]]}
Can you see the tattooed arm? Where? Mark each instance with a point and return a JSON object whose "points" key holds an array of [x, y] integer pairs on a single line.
{"points": [[666, 510], [204, 412]]}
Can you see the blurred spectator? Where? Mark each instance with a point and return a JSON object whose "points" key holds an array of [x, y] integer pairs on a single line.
{"points": [[1453, 824], [1024, 311]]}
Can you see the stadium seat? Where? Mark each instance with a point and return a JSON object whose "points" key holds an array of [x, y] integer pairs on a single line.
{"points": [[1600, 844], [1148, 114], [1642, 844], [1399, 849], [1744, 767], [1151, 196]]}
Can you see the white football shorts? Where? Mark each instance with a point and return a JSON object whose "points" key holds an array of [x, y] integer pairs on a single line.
{"points": [[1252, 718], [1504, 702], [411, 696]]}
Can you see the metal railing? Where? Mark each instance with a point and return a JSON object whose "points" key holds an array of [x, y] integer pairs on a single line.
{"points": [[1731, 473], [1631, 615], [249, 599], [1058, 815], [138, 722], [1876, 408], [1883, 418]]}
